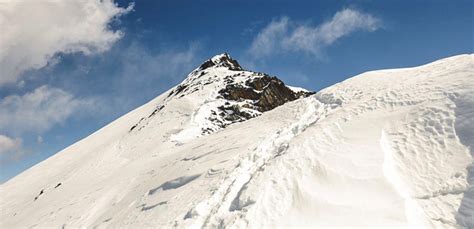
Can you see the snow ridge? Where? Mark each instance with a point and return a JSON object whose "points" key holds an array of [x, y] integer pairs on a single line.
{"points": [[225, 203]]}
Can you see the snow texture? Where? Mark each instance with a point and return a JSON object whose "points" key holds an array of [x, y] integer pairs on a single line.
{"points": [[388, 148]]}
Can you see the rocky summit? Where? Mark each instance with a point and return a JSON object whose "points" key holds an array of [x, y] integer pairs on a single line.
{"points": [[234, 94]]}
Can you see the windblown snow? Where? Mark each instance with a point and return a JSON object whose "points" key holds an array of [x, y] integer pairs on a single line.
{"points": [[384, 148]]}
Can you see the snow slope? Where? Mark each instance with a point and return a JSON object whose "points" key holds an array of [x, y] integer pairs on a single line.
{"points": [[384, 148]]}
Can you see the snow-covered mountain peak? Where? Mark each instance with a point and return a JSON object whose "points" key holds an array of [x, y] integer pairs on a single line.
{"points": [[224, 60], [220, 93]]}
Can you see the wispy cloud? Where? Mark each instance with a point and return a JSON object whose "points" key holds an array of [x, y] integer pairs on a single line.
{"points": [[10, 148], [283, 35], [270, 38], [8, 144], [39, 110], [33, 32], [143, 74]]}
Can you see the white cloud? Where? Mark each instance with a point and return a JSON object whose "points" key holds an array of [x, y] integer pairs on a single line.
{"points": [[39, 110], [11, 149], [9, 145], [284, 35], [39, 139], [34, 31], [268, 40]]}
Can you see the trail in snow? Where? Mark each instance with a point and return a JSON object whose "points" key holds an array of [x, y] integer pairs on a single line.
{"points": [[390, 151], [221, 205]]}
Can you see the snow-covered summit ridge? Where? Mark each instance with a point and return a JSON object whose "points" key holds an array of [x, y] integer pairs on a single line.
{"points": [[221, 93]]}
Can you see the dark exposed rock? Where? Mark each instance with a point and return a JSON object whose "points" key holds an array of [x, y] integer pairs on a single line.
{"points": [[266, 92], [247, 100], [206, 64], [41, 193], [274, 94], [180, 88], [234, 65], [224, 60], [234, 113], [260, 83], [238, 93], [157, 109], [304, 93]]}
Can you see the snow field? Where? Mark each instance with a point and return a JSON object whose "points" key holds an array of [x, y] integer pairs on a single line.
{"points": [[389, 148]]}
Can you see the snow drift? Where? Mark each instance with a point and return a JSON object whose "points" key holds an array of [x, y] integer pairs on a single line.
{"points": [[384, 148]]}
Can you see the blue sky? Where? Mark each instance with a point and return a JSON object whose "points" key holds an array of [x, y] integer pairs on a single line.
{"points": [[66, 74]]}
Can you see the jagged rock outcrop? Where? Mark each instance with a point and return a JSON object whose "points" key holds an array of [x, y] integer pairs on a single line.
{"points": [[266, 92]]}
